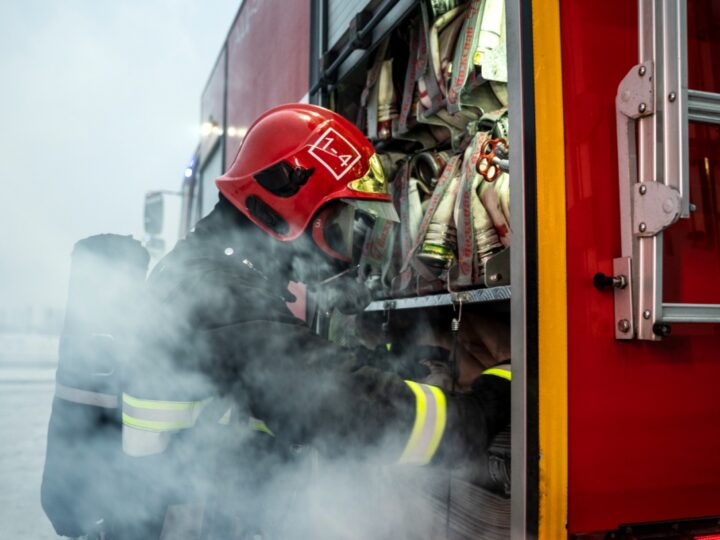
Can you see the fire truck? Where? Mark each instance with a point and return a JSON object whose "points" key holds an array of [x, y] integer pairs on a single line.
{"points": [[611, 284]]}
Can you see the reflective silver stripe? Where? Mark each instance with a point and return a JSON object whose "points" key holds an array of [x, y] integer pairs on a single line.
{"points": [[430, 419], [138, 442], [85, 397]]}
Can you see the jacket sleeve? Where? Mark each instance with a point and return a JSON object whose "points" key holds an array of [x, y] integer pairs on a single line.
{"points": [[308, 390]]}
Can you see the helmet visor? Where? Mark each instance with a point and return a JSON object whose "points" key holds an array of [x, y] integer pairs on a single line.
{"points": [[373, 181]]}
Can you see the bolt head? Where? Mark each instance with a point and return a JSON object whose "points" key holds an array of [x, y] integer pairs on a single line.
{"points": [[624, 326], [643, 190], [642, 227], [642, 107], [642, 71], [672, 96], [646, 314]]}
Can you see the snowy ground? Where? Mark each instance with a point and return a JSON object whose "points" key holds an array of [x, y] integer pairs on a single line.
{"points": [[27, 372]]}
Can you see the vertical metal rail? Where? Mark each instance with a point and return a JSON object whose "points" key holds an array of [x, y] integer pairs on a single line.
{"points": [[647, 252], [524, 518]]}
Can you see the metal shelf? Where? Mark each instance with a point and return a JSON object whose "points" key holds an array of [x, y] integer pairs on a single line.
{"points": [[474, 296]]}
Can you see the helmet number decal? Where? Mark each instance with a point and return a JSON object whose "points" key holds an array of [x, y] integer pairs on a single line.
{"points": [[335, 153]]}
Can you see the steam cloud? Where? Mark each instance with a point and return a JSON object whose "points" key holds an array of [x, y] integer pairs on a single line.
{"points": [[319, 482]]}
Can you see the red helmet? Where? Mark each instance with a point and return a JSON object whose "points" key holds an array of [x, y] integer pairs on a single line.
{"points": [[295, 159]]}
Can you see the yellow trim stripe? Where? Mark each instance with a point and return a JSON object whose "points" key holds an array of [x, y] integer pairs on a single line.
{"points": [[155, 425], [552, 272], [497, 372], [161, 405], [440, 421], [258, 425], [430, 406], [420, 414]]}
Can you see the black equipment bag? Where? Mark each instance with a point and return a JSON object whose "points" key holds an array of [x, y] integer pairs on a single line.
{"points": [[84, 451]]}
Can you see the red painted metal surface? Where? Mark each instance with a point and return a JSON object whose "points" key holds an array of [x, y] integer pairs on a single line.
{"points": [[268, 62], [211, 107], [644, 443]]}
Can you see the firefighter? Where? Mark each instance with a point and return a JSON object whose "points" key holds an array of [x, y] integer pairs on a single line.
{"points": [[220, 347]]}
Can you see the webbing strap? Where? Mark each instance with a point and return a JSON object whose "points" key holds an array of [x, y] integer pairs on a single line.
{"points": [[443, 36], [376, 258], [442, 185], [491, 201], [466, 210], [503, 371], [464, 52], [85, 397], [429, 425], [429, 92], [410, 76], [369, 96]]}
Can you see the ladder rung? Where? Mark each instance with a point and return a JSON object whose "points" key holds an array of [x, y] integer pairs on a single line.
{"points": [[691, 313], [703, 107]]}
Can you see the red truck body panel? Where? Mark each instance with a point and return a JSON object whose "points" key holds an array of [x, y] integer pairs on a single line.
{"points": [[212, 109], [643, 441], [268, 62]]}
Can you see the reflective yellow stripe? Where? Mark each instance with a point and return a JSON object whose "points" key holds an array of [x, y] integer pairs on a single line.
{"points": [[420, 413], [155, 425], [440, 421], [258, 425], [429, 425], [160, 405], [156, 415], [499, 372]]}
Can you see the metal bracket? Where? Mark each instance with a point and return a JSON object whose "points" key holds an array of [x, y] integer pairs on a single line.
{"points": [[624, 324], [497, 269], [634, 100], [655, 207], [635, 97]]}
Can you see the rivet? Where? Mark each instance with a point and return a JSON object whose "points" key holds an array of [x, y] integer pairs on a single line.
{"points": [[642, 71], [624, 326], [642, 108], [642, 227], [646, 314], [229, 251], [672, 96], [643, 190]]}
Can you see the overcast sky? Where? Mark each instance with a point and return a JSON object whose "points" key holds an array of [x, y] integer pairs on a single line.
{"points": [[99, 102]]}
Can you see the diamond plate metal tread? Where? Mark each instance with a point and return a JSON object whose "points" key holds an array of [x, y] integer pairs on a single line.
{"points": [[474, 296]]}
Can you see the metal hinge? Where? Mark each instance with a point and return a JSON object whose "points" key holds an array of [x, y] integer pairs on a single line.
{"points": [[655, 207]]}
